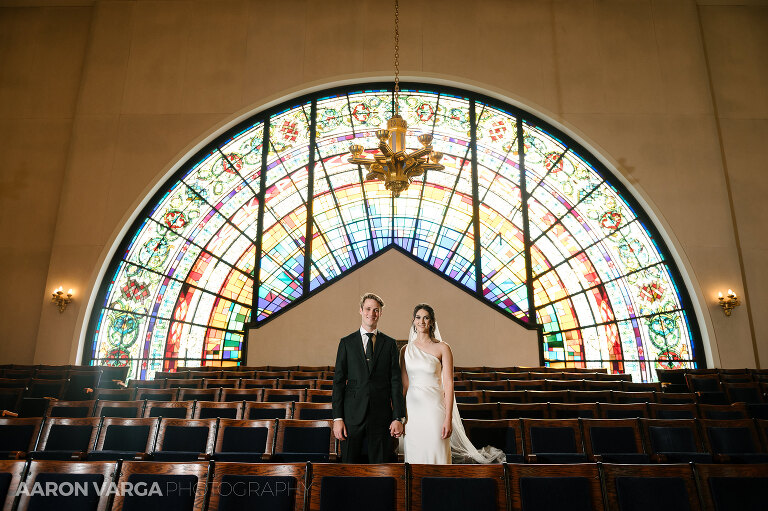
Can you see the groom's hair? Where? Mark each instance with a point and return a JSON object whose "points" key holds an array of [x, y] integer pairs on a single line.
{"points": [[371, 296]]}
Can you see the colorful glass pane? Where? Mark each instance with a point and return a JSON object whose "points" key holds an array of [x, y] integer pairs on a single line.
{"points": [[182, 288]]}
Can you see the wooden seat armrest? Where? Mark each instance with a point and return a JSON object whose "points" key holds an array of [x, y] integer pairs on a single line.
{"points": [[203, 456], [120, 383], [8, 413], [266, 457], [659, 458], [17, 455], [77, 456], [531, 458]]}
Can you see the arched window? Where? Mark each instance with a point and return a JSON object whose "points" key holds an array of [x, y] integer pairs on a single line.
{"points": [[581, 260]]}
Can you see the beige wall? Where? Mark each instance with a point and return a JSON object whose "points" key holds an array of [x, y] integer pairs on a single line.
{"points": [[313, 328], [99, 100]]}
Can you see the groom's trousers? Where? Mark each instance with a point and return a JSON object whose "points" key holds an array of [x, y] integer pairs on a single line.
{"points": [[367, 441]]}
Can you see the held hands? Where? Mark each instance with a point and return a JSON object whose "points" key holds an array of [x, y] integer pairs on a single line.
{"points": [[446, 430], [396, 429], [339, 430]]}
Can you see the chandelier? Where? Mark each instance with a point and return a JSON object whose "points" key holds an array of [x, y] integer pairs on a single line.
{"points": [[394, 165]]}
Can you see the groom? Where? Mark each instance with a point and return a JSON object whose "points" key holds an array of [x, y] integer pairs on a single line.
{"points": [[368, 404]]}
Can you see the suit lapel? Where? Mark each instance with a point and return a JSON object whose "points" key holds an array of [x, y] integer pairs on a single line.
{"points": [[357, 341]]}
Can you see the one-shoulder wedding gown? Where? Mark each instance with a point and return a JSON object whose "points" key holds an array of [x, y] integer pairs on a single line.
{"points": [[425, 406]]}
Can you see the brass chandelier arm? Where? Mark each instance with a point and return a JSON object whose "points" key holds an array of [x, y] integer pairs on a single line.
{"points": [[394, 165]]}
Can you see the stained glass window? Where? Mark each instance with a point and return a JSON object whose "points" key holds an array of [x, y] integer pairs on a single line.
{"points": [[521, 216]]}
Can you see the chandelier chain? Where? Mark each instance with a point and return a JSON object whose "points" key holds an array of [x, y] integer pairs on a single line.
{"points": [[397, 58]]}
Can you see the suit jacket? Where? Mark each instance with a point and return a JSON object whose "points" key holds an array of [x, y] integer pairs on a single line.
{"points": [[359, 394]]}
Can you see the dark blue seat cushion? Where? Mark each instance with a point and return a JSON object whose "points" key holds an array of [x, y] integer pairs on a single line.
{"points": [[244, 439], [178, 493], [315, 414], [731, 440], [185, 438], [723, 415], [555, 494], [294, 457], [315, 440], [266, 413], [553, 439], [33, 407], [224, 413], [279, 398], [354, 493], [671, 439], [458, 493], [634, 458], [758, 411], [477, 414], [745, 395], [240, 457], [68, 438], [675, 414], [176, 455], [168, 413], [118, 411], [561, 457], [688, 457], [502, 438], [574, 413], [713, 398], [622, 414], [613, 440], [77, 501], [748, 457], [739, 493], [69, 411], [16, 437], [5, 484], [657, 493], [52, 455], [268, 493], [126, 438], [110, 455]]}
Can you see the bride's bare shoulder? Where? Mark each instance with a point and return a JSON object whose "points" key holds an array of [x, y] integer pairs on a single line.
{"points": [[443, 346]]}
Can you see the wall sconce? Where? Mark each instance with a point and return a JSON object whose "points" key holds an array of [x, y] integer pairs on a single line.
{"points": [[60, 300], [728, 302]]}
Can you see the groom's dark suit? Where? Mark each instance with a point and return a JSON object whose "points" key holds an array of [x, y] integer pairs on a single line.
{"points": [[368, 401]]}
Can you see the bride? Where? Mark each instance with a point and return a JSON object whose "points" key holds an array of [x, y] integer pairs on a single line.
{"points": [[433, 430]]}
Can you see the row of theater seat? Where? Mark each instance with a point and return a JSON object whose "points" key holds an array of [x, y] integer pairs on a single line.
{"points": [[190, 409], [219, 486], [232, 403], [167, 439], [323, 410], [611, 411], [289, 440]]}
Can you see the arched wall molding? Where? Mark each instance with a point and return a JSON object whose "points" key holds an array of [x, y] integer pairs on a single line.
{"points": [[597, 151]]}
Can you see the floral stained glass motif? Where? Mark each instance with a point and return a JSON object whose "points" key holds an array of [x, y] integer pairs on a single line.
{"points": [[520, 216]]}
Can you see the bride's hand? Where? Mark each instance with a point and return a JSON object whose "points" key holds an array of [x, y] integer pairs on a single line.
{"points": [[446, 430]]}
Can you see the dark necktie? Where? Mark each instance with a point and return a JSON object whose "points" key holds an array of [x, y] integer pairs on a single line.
{"points": [[369, 350]]}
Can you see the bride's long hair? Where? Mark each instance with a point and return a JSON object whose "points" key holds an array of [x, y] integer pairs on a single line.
{"points": [[432, 320]]}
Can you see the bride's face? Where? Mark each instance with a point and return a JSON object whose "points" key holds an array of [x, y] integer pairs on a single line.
{"points": [[422, 321]]}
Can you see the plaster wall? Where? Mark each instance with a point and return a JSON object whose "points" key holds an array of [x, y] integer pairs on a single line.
{"points": [[313, 328]]}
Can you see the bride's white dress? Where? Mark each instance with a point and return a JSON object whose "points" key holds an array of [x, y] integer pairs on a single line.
{"points": [[425, 406]]}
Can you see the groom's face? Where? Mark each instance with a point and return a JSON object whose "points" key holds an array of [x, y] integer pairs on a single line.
{"points": [[370, 312]]}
